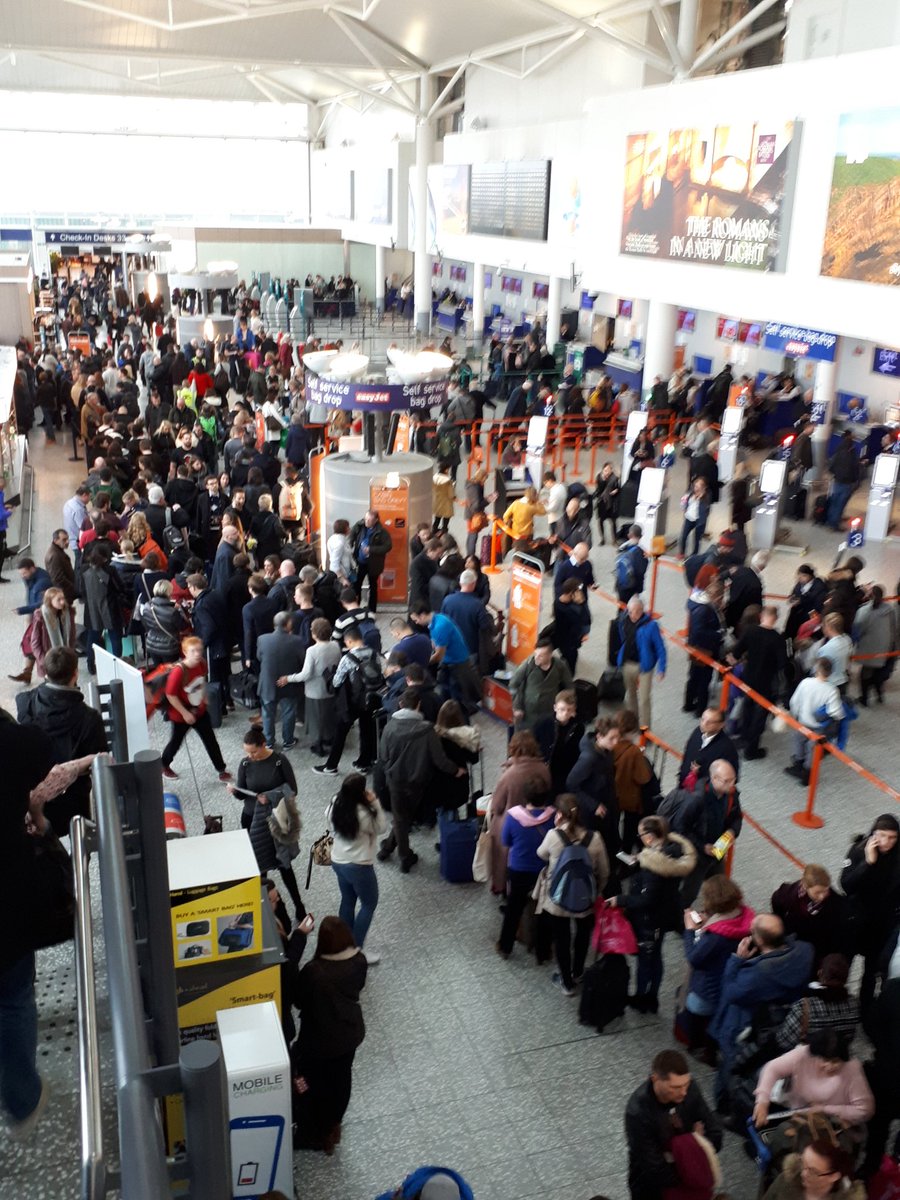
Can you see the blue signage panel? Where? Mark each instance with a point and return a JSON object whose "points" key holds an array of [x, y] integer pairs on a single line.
{"points": [[15, 235], [886, 362], [796, 341], [92, 237], [374, 397]]}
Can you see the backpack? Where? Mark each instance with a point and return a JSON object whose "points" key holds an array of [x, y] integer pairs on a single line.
{"points": [[626, 575], [365, 683], [155, 681], [173, 537], [572, 885], [447, 445], [370, 634]]}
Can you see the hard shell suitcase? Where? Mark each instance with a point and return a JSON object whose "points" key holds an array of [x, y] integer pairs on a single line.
{"points": [[614, 641], [604, 991], [586, 700], [611, 687], [797, 505], [458, 841]]}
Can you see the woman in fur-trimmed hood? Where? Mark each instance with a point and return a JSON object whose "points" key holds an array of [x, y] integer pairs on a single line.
{"points": [[651, 902]]}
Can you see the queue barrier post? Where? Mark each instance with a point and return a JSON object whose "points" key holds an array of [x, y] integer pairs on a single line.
{"points": [[807, 819], [726, 688], [654, 574]]}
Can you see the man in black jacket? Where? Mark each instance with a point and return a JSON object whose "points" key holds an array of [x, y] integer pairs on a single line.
{"points": [[746, 588], [845, 475], [410, 752], [707, 743], [807, 596], [422, 568], [666, 1105], [559, 738], [75, 729], [703, 815], [762, 649], [209, 618], [370, 543], [258, 618]]}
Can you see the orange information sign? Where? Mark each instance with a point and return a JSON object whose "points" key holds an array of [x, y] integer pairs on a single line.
{"points": [[80, 342], [738, 395], [317, 516], [392, 506], [524, 611], [401, 439]]}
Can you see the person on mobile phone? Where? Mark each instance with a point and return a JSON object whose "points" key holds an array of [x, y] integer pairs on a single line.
{"points": [[871, 881]]}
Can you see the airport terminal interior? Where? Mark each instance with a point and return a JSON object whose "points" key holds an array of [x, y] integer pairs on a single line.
{"points": [[524, 378]]}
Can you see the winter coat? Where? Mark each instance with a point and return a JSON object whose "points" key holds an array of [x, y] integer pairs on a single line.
{"points": [[873, 893], [534, 691], [705, 629], [380, 545], [789, 1184], [649, 1128], [509, 792], [331, 1020], [163, 625], [462, 745], [651, 902], [443, 495], [650, 645], [269, 534], [275, 849], [100, 588], [821, 925], [592, 779], [701, 815], [209, 618], [560, 748], [61, 572], [411, 751], [720, 746], [875, 632], [39, 642], [709, 948], [631, 771], [550, 850], [776, 977]]}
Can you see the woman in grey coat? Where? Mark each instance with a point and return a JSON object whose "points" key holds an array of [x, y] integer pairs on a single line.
{"points": [[319, 666], [875, 632]]}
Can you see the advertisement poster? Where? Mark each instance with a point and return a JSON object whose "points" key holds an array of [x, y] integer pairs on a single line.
{"points": [[372, 196], [392, 506], [524, 612], [719, 194], [448, 189], [862, 236]]}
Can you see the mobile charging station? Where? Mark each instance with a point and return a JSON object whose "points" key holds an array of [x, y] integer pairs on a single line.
{"points": [[729, 453], [767, 515], [881, 497], [652, 509]]}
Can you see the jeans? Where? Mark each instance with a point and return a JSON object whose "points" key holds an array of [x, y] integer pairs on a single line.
{"points": [[364, 572], [570, 959], [288, 719], [697, 528], [20, 1084], [359, 885], [649, 966], [840, 494], [801, 749]]}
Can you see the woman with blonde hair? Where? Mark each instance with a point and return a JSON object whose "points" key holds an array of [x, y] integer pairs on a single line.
{"points": [[140, 534], [52, 625]]}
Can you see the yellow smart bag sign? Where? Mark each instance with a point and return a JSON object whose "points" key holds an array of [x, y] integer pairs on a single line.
{"points": [[214, 891]]}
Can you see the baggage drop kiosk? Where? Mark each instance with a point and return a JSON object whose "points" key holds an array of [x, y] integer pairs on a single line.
{"points": [[881, 497], [767, 515], [636, 422], [729, 454], [652, 506]]}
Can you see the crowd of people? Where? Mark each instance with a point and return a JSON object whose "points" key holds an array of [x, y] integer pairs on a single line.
{"points": [[186, 548]]}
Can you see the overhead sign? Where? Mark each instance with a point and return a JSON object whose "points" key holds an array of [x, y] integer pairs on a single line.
{"points": [[886, 362], [93, 237], [862, 234], [795, 341], [717, 194], [373, 397]]}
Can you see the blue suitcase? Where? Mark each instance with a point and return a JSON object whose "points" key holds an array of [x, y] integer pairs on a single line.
{"points": [[458, 841]]}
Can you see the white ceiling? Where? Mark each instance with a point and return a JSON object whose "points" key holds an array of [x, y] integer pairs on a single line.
{"points": [[287, 51]]}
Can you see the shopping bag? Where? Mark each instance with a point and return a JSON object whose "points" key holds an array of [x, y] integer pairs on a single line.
{"points": [[613, 933]]}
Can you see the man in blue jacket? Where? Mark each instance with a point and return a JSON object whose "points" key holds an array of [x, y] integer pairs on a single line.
{"points": [[766, 968], [642, 651]]}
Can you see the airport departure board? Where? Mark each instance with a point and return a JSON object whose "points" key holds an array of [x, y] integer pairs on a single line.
{"points": [[510, 199]]}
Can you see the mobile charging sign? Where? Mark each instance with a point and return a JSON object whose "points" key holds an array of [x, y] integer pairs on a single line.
{"points": [[392, 506], [524, 611]]}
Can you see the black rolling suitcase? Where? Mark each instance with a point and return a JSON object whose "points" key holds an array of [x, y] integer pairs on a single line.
{"points": [[820, 509], [614, 642], [604, 991], [797, 505], [587, 700]]}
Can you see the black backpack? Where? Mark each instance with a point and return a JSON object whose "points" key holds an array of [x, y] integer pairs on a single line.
{"points": [[366, 683]]}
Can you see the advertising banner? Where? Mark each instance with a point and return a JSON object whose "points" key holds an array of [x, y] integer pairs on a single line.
{"points": [[862, 235], [401, 441], [796, 341], [524, 611], [317, 516], [392, 506], [886, 362], [448, 196], [718, 194], [374, 397]]}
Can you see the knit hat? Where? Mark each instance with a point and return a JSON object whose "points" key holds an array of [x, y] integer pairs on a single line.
{"points": [[440, 1187], [727, 540]]}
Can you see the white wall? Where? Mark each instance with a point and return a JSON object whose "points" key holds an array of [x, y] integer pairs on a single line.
{"points": [[285, 259], [823, 28]]}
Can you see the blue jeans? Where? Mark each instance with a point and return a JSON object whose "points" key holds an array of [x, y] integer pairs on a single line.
{"points": [[840, 494], [649, 966], [94, 637], [358, 882], [698, 528], [288, 719], [20, 1084]]}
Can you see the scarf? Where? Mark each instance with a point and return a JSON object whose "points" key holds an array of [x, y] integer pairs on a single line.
{"points": [[53, 622]]}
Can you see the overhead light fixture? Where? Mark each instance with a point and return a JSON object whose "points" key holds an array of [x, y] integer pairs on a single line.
{"points": [[209, 330], [152, 286]]}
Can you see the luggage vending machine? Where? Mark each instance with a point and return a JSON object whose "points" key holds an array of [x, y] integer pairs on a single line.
{"points": [[767, 515], [729, 454], [652, 506]]}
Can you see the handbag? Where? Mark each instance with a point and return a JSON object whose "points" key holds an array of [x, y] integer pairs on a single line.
{"points": [[613, 933], [319, 854], [481, 863], [53, 919]]}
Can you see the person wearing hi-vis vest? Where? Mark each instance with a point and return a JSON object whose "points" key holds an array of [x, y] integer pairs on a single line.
{"points": [[709, 814]]}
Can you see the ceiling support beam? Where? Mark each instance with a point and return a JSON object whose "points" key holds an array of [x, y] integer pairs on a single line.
{"points": [[242, 14], [745, 22], [351, 35], [662, 24], [561, 48], [446, 90], [755, 39], [403, 55], [602, 32]]}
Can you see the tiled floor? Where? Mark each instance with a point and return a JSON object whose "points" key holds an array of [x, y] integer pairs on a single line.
{"points": [[470, 1061]]}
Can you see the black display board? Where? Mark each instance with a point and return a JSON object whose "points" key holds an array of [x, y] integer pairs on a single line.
{"points": [[510, 200]]}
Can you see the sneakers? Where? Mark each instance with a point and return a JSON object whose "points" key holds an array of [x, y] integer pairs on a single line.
{"points": [[324, 769], [291, 744], [168, 773], [558, 982], [371, 956], [760, 752], [225, 777], [364, 767], [20, 1130], [795, 769]]}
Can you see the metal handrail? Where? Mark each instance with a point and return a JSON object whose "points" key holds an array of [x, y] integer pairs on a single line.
{"points": [[27, 473], [93, 1165]]}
